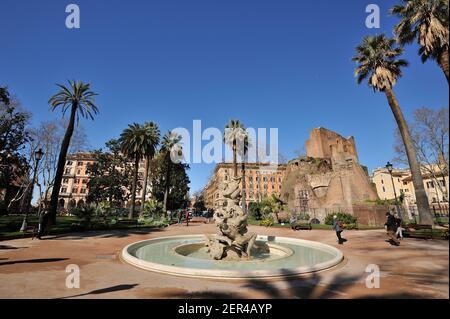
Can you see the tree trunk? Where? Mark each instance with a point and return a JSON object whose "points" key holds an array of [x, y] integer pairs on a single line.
{"points": [[443, 62], [166, 188], [51, 216], [235, 168], [133, 188], [144, 190], [421, 197]]}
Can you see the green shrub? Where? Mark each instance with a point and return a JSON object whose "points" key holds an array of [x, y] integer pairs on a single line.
{"points": [[254, 211], [152, 208], [267, 222], [345, 218]]}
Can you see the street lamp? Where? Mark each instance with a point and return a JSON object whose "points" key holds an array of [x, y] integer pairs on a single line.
{"points": [[37, 156], [390, 168]]}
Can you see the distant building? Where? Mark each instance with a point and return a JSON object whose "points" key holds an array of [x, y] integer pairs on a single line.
{"points": [[435, 181], [74, 189], [261, 180]]}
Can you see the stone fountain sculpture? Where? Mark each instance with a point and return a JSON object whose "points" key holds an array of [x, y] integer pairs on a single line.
{"points": [[233, 241]]}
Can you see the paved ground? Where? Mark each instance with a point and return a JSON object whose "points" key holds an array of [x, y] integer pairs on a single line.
{"points": [[36, 269]]}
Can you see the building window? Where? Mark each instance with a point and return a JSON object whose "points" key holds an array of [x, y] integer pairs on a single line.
{"points": [[75, 190], [384, 190], [69, 163], [430, 185], [77, 180], [382, 182], [80, 164], [65, 180], [78, 171], [398, 180], [64, 190], [83, 191], [84, 181], [67, 171], [442, 182], [405, 183]]}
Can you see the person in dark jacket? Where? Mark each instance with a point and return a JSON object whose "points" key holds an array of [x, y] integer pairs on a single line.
{"points": [[338, 227], [391, 228]]}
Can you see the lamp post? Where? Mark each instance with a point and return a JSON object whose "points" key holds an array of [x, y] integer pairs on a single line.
{"points": [[390, 168], [37, 156]]}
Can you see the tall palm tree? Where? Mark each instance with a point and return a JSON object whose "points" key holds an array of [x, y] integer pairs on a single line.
{"points": [[171, 148], [377, 58], [426, 21], [79, 99], [153, 140], [136, 142], [234, 137], [237, 139]]}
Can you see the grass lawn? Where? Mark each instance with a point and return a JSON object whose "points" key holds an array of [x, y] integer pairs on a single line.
{"points": [[10, 226]]}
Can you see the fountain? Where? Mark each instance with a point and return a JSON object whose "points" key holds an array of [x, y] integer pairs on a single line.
{"points": [[233, 252]]}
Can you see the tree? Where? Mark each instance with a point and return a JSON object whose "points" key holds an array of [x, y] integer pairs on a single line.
{"points": [[199, 203], [110, 176], [236, 137], [79, 99], [136, 142], [171, 151], [426, 21], [14, 137], [153, 140], [430, 133], [377, 58]]}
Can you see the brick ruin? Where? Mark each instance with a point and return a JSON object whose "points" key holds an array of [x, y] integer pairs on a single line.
{"points": [[328, 179]]}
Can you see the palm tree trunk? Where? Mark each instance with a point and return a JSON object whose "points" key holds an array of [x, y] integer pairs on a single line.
{"points": [[144, 190], [166, 188], [443, 62], [51, 216], [133, 188], [421, 196], [235, 168]]}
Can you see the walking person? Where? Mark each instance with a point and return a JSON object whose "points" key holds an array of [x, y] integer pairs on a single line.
{"points": [[400, 229], [187, 217], [338, 226], [391, 228], [180, 217]]}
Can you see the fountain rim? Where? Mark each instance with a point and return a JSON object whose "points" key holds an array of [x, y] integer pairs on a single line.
{"points": [[233, 274]]}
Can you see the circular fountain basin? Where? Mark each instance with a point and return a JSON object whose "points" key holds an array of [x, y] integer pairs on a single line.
{"points": [[187, 256]]}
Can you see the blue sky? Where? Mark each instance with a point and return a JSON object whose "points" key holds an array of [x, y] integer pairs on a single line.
{"points": [[283, 64]]}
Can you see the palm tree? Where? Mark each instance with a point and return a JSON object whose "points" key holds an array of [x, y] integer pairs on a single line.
{"points": [[77, 97], [234, 137], [136, 142], [377, 58], [172, 150], [153, 140], [426, 21]]}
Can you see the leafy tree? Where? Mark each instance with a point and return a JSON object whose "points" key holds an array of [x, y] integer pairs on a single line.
{"points": [[175, 195], [14, 136], [377, 58], [199, 204], [79, 99], [427, 22], [171, 151], [110, 176]]}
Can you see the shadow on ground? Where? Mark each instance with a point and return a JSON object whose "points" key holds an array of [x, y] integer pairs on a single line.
{"points": [[104, 290], [32, 261]]}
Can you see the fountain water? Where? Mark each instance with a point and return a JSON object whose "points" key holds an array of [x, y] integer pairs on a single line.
{"points": [[233, 252]]}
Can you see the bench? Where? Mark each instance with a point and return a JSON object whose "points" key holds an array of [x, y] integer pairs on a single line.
{"points": [[301, 224], [418, 231]]}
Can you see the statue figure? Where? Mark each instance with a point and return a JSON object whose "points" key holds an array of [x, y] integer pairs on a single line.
{"points": [[232, 240]]}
